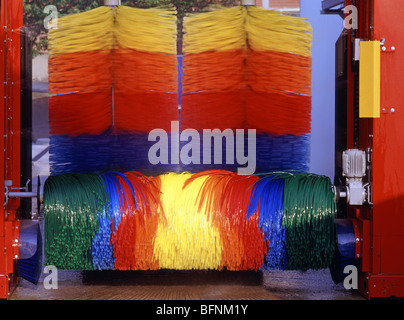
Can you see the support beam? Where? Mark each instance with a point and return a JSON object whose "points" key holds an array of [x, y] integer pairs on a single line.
{"points": [[330, 4], [333, 7]]}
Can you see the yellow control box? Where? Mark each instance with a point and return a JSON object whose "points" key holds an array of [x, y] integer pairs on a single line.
{"points": [[369, 79]]}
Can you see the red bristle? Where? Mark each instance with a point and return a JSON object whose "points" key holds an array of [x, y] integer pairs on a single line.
{"points": [[279, 113], [80, 113], [143, 112], [134, 238], [206, 110]]}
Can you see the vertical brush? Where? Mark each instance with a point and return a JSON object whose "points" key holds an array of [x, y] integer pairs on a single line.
{"points": [[112, 77], [247, 67], [278, 102]]}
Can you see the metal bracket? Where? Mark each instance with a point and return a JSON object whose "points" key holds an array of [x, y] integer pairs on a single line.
{"points": [[328, 7], [368, 186], [112, 3], [357, 49], [9, 193]]}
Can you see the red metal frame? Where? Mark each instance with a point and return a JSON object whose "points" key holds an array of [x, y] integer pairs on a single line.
{"points": [[381, 226], [10, 56]]}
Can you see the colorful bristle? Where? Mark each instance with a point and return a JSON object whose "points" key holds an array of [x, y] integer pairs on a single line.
{"points": [[214, 72], [185, 239], [225, 196], [141, 211], [72, 204], [267, 200], [208, 220], [115, 76], [113, 71], [248, 67]]}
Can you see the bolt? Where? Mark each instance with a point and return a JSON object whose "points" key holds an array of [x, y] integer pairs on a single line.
{"points": [[383, 48], [384, 109], [393, 48], [357, 239], [392, 110]]}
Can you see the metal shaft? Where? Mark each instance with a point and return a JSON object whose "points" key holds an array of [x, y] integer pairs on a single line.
{"points": [[112, 2], [22, 194], [248, 2]]}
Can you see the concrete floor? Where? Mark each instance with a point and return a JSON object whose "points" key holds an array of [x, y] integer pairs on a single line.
{"points": [[188, 285]]}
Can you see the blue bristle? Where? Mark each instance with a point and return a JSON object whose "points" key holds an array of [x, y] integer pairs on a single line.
{"points": [[273, 153], [102, 251], [267, 197], [102, 248], [106, 152], [210, 164], [282, 153]]}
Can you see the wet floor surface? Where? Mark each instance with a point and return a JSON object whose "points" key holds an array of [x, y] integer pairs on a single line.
{"points": [[188, 285]]}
